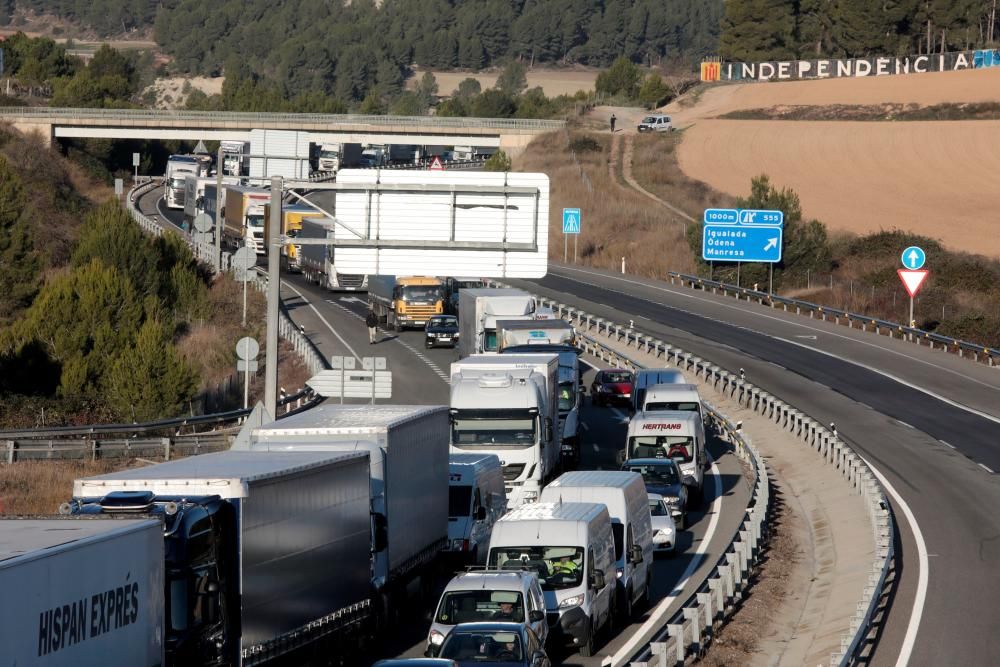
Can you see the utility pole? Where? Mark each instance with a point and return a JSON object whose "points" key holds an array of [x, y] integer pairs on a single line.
{"points": [[273, 296], [218, 211]]}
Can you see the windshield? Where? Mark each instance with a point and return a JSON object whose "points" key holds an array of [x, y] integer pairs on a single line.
{"points": [[678, 406], [677, 447], [659, 474], [556, 567], [480, 605], [459, 501], [488, 647], [328, 154], [649, 119], [255, 220], [178, 182], [469, 284], [507, 430], [567, 396], [421, 293], [442, 322], [618, 378], [657, 508]]}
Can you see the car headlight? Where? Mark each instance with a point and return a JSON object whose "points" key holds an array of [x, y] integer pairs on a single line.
{"points": [[436, 638], [621, 571], [574, 601], [672, 501], [530, 496]]}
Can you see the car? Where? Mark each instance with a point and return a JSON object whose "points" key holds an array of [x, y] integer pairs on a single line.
{"points": [[441, 330], [416, 662], [664, 528], [656, 123], [611, 386], [483, 595], [663, 477], [496, 644]]}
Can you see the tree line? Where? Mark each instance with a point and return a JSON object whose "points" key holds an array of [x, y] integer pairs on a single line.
{"points": [[757, 30]]}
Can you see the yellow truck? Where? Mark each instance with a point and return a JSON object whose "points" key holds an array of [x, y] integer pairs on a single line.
{"points": [[291, 225], [405, 302]]}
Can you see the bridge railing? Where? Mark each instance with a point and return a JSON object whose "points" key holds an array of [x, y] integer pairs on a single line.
{"points": [[981, 353], [690, 630], [424, 122]]}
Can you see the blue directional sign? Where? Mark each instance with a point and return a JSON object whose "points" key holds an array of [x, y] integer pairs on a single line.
{"points": [[750, 216], [721, 216], [913, 258], [738, 243], [571, 221]]}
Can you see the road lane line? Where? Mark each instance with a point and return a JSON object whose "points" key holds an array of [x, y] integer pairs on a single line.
{"points": [[987, 469], [321, 318]]}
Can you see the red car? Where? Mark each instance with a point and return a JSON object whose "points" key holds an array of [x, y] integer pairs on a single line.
{"points": [[612, 385]]}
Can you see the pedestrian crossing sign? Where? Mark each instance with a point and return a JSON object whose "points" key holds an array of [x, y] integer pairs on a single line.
{"points": [[571, 221]]}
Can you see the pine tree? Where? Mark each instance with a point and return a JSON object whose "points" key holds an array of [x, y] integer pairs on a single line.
{"points": [[756, 30], [19, 263]]}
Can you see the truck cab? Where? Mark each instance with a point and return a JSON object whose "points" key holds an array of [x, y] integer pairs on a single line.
{"points": [[675, 435], [405, 302]]}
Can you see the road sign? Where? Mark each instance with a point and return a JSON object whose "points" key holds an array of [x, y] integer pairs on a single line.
{"points": [[736, 243], [913, 258], [345, 380], [119, 187], [436, 164], [722, 216], [749, 216], [135, 159], [571, 221], [912, 280], [244, 259], [203, 222], [247, 348], [250, 366]]}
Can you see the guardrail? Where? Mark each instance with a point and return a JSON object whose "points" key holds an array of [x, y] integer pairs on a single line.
{"points": [[331, 120], [981, 353], [708, 607]]}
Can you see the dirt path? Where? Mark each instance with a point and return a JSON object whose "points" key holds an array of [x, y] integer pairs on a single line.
{"points": [[629, 151]]}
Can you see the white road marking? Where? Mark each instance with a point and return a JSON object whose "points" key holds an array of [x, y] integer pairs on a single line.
{"points": [[584, 426], [947, 444], [922, 570], [987, 469], [321, 318]]}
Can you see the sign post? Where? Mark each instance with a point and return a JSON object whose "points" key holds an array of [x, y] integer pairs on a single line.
{"points": [[244, 259], [571, 225], [913, 275], [135, 164], [247, 349]]}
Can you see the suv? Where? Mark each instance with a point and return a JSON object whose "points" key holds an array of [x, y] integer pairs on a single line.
{"points": [[485, 596], [656, 123]]}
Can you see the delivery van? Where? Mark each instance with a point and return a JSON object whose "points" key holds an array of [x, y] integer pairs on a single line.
{"points": [[476, 500], [673, 397], [647, 377], [624, 493], [674, 435], [571, 548]]}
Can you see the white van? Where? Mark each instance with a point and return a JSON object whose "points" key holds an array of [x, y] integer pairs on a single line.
{"points": [[476, 500], [489, 595], [673, 398], [673, 435], [623, 492], [571, 547], [647, 377]]}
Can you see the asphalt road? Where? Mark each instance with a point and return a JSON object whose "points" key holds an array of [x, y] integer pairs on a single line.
{"points": [[925, 420]]}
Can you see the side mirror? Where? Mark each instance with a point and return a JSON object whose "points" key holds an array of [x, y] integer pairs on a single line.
{"points": [[636, 555], [481, 513], [597, 580], [380, 536], [536, 616]]}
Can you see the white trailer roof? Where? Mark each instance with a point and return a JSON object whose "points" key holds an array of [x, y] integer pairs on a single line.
{"points": [[347, 419], [555, 512], [19, 537], [226, 474], [497, 362], [618, 479]]}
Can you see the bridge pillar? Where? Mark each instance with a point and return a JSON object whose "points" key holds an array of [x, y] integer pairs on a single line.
{"points": [[514, 144], [43, 129]]}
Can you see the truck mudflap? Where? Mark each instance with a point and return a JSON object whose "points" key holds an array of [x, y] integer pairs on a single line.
{"points": [[347, 623]]}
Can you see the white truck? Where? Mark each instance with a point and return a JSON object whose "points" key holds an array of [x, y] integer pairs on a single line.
{"points": [[677, 435], [317, 260], [551, 336], [235, 158], [178, 167], [507, 405], [480, 309], [195, 195], [248, 540], [336, 156], [81, 591], [408, 450]]}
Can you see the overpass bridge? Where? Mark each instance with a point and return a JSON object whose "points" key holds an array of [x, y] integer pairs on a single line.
{"points": [[511, 135]]}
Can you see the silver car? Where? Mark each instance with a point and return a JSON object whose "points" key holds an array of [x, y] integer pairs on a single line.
{"points": [[489, 595], [664, 529]]}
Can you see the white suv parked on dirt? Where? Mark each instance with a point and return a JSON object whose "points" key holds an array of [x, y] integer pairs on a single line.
{"points": [[656, 123]]}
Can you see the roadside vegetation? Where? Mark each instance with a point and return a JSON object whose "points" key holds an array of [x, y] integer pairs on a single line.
{"points": [[874, 112], [39, 487]]}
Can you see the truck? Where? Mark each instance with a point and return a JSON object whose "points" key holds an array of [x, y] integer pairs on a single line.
{"points": [[481, 308], [292, 216], [405, 302], [402, 154], [248, 542], [552, 336], [178, 167], [196, 200], [235, 158], [407, 446], [77, 591], [452, 286], [317, 260], [336, 156], [244, 217], [507, 405]]}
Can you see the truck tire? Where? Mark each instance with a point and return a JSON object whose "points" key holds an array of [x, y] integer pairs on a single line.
{"points": [[587, 648]]}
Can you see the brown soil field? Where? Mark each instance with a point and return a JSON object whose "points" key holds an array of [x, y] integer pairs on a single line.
{"points": [[553, 81], [935, 178]]}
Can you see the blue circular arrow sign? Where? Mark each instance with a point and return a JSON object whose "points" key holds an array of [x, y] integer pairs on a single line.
{"points": [[913, 258]]}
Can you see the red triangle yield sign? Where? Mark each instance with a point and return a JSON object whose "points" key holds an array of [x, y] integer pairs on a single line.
{"points": [[912, 280], [436, 164]]}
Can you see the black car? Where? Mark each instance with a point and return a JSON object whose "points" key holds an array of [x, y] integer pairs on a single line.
{"points": [[441, 330], [495, 643], [664, 477]]}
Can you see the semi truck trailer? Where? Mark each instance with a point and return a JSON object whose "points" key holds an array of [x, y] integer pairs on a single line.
{"points": [[292, 216], [317, 260], [481, 308], [244, 217]]}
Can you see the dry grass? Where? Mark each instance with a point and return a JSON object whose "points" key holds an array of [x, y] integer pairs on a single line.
{"points": [[39, 487], [617, 221]]}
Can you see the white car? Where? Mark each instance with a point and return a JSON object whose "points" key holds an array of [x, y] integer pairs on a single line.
{"points": [[656, 123], [664, 530]]}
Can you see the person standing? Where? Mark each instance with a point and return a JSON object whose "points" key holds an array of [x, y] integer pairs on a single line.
{"points": [[613, 119], [371, 320]]}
